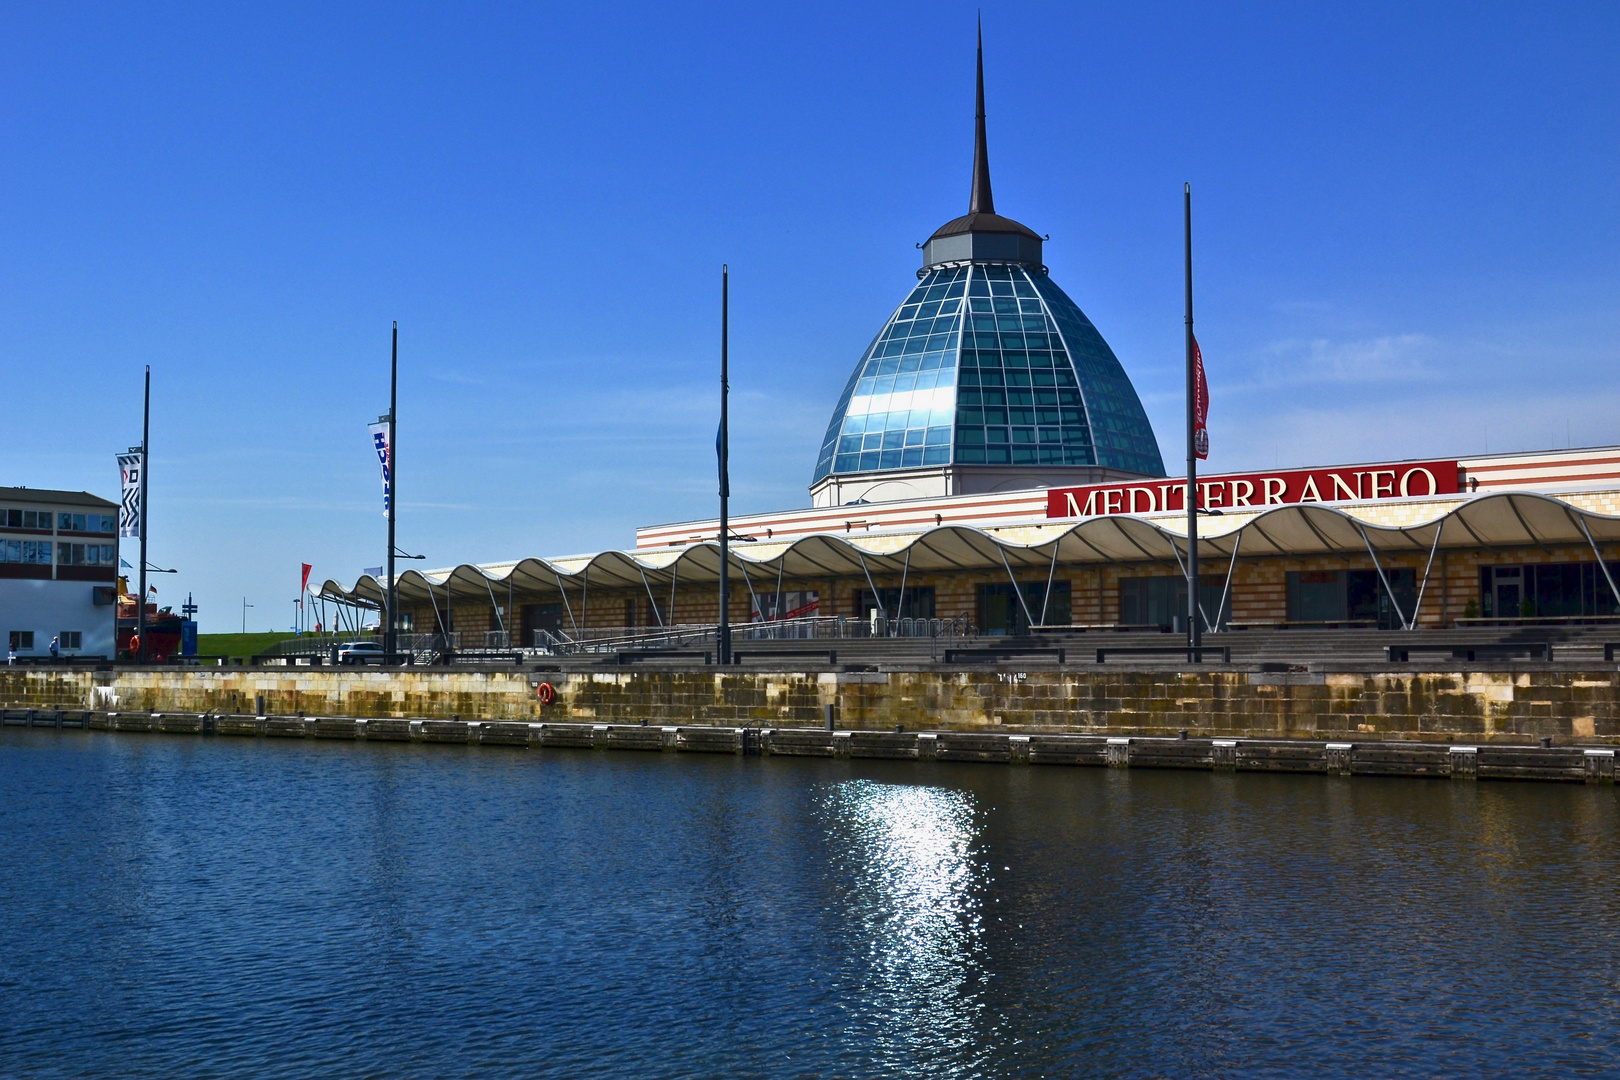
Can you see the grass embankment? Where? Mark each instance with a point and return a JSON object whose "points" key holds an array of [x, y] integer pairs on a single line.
{"points": [[238, 644]]}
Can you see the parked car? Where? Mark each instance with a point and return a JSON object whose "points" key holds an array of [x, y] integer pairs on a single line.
{"points": [[360, 652]]}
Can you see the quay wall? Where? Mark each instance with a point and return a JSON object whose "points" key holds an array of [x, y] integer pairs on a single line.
{"points": [[1521, 704]]}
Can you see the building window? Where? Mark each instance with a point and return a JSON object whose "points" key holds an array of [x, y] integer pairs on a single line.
{"points": [[1002, 612], [70, 639], [1351, 596], [918, 603], [86, 523], [25, 519], [84, 554], [22, 641], [1162, 602], [25, 551], [795, 604], [1547, 591]]}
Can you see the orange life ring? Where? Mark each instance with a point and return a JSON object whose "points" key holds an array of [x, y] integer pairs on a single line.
{"points": [[134, 644], [546, 693]]}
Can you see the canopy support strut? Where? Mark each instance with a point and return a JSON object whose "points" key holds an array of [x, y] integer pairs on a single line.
{"points": [[499, 618], [780, 564], [1226, 590], [1050, 574], [1603, 566], [1389, 592], [1201, 613], [752, 596], [1029, 620], [650, 600], [1426, 568], [436, 616], [876, 596], [900, 605], [572, 621]]}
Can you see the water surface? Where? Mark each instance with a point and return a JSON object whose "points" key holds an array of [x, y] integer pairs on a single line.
{"points": [[176, 906]]}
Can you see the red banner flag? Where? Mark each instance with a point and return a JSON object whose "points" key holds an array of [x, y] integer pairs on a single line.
{"points": [[304, 588], [1200, 405]]}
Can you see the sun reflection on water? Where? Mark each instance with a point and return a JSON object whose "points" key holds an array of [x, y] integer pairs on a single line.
{"points": [[911, 899]]}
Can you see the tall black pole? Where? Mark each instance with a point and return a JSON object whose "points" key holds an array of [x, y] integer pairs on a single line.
{"points": [[146, 455], [1194, 634], [390, 634], [723, 646]]}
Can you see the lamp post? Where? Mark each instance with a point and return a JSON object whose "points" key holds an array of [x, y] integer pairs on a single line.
{"points": [[391, 616], [1194, 631], [146, 434], [723, 644]]}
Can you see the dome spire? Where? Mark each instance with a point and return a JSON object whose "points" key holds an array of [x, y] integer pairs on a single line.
{"points": [[981, 234], [981, 201]]}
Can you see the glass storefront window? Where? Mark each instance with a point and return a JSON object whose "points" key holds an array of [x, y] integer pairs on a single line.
{"points": [[1161, 601], [1547, 591], [1351, 596]]}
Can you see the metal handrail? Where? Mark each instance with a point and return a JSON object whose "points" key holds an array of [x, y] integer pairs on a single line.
{"points": [[818, 627]]}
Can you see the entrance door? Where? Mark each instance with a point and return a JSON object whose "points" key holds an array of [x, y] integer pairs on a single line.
{"points": [[999, 611], [540, 617], [1508, 586]]}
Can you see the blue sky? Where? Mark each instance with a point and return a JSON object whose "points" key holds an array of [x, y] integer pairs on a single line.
{"points": [[1405, 216]]}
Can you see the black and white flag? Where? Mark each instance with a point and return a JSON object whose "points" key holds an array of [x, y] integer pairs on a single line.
{"points": [[129, 507]]}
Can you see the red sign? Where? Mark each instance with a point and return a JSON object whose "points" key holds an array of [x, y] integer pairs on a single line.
{"points": [[1362, 483]]}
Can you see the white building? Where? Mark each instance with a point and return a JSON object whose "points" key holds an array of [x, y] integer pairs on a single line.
{"points": [[58, 572]]}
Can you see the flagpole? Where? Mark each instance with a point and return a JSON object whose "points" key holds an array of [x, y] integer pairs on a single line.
{"points": [[390, 620], [146, 434], [1194, 637], [723, 645]]}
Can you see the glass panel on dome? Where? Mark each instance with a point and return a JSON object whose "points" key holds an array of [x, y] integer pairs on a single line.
{"points": [[1066, 400], [1118, 423]]}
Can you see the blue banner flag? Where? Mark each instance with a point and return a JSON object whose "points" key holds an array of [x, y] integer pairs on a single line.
{"points": [[379, 443], [720, 460]]}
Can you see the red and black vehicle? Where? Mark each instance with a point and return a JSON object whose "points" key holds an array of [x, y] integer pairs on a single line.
{"points": [[162, 631]]}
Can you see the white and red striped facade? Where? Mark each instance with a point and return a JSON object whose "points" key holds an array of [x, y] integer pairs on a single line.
{"points": [[1547, 472]]}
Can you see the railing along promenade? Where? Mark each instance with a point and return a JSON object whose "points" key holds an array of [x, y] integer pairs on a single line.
{"points": [[474, 646]]}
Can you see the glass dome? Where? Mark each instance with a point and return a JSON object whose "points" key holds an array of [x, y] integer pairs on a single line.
{"points": [[988, 364]]}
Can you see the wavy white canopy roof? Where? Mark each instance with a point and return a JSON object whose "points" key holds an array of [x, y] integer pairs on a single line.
{"points": [[1496, 519]]}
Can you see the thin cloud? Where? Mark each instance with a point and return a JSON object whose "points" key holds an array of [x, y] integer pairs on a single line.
{"points": [[1394, 357]]}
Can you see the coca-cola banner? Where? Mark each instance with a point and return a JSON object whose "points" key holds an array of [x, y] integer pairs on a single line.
{"points": [[1347, 483]]}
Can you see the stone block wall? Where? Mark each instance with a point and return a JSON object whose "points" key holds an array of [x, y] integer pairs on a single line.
{"points": [[1446, 704]]}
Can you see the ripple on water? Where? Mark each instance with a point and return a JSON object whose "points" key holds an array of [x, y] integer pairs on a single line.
{"points": [[203, 907]]}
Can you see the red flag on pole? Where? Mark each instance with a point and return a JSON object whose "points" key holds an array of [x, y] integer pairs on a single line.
{"points": [[1200, 405], [304, 588]]}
